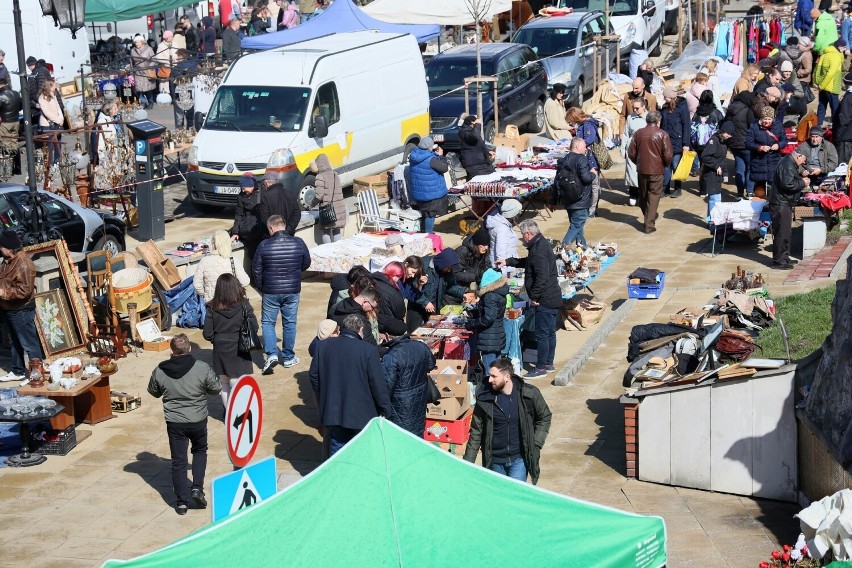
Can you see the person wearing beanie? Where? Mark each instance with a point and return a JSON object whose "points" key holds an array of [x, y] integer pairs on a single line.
{"points": [[786, 185], [166, 57], [475, 157], [764, 140], [473, 257], [713, 165], [275, 199], [38, 75], [675, 121], [17, 305], [796, 103], [247, 227], [443, 289], [486, 318], [822, 156], [326, 328], [428, 187], [144, 67], [828, 77], [841, 123]]}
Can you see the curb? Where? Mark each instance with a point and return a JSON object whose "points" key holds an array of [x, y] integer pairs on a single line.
{"points": [[567, 373]]}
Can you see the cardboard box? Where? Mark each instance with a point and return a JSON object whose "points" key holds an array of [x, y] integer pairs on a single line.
{"points": [[452, 386], [448, 408], [449, 431], [125, 402], [163, 268], [152, 338], [450, 367], [378, 183], [512, 139]]}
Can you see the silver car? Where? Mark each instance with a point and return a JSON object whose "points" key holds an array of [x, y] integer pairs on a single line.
{"points": [[565, 46]]}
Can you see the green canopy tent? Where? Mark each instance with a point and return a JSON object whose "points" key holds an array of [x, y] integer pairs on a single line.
{"points": [[120, 10], [390, 499]]}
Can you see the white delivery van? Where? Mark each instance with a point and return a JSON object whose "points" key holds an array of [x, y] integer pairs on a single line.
{"points": [[639, 23], [358, 97], [43, 40]]}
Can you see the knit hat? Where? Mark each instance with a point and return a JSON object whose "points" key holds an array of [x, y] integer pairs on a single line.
{"points": [[247, 180], [10, 240], [272, 176], [393, 240], [426, 143], [801, 151], [767, 112], [326, 328], [489, 277], [445, 259], [786, 66], [669, 93], [510, 208], [31, 60], [727, 128], [168, 34], [774, 92], [138, 38], [481, 237], [816, 131], [788, 88]]}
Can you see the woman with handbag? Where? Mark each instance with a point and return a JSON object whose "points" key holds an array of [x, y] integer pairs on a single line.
{"points": [[52, 117], [329, 195], [142, 57], [220, 261], [226, 314]]}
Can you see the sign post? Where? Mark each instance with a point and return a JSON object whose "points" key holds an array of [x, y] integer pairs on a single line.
{"points": [[243, 420], [243, 488]]}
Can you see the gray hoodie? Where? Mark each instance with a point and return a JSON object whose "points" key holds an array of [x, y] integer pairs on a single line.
{"points": [[184, 384]]}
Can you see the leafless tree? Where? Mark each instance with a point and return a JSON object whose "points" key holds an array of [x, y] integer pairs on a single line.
{"points": [[478, 9]]}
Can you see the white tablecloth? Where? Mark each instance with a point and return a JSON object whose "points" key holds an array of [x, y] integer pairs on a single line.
{"points": [[361, 250]]}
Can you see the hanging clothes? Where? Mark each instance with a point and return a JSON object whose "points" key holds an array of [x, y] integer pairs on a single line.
{"points": [[723, 39]]}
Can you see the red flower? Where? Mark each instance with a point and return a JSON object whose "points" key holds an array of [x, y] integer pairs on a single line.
{"points": [[787, 548], [776, 555], [764, 565], [785, 557], [805, 550]]}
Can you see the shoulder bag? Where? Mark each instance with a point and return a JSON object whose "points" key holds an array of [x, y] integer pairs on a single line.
{"points": [[249, 341], [433, 395], [602, 155], [327, 217]]}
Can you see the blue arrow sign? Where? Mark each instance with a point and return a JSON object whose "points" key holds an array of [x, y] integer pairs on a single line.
{"points": [[243, 488]]}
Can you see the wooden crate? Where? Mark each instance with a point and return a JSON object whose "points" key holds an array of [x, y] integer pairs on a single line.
{"points": [[163, 268], [123, 402]]}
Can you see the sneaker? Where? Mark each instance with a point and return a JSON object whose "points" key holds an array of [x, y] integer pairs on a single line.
{"points": [[9, 377], [270, 364], [676, 193], [181, 509], [550, 368], [536, 373], [632, 201], [197, 496], [290, 362]]}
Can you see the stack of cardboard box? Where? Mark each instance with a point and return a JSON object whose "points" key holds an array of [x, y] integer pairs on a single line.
{"points": [[448, 421]]}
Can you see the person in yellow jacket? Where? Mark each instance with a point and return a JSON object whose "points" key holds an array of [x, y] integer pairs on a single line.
{"points": [[827, 77]]}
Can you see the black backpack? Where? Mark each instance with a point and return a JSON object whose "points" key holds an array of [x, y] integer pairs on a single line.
{"points": [[568, 186]]}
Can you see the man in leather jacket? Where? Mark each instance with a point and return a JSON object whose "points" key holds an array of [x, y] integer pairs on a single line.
{"points": [[786, 186], [17, 306], [10, 107], [651, 150]]}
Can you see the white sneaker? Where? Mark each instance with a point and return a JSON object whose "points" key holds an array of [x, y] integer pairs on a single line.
{"points": [[290, 362], [632, 202], [10, 376], [270, 364]]}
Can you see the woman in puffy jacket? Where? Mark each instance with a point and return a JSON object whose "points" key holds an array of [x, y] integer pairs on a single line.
{"points": [[487, 318], [428, 188], [503, 240], [694, 92], [765, 139], [741, 115], [220, 261], [329, 191]]}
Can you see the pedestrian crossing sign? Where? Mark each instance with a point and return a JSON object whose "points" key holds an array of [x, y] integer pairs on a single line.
{"points": [[243, 488]]}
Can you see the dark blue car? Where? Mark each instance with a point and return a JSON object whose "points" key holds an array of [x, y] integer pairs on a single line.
{"points": [[521, 89]]}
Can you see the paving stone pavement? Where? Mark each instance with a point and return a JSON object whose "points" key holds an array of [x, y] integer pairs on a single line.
{"points": [[111, 497]]}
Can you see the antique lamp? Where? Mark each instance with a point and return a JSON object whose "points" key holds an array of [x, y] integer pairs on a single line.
{"points": [[70, 13]]}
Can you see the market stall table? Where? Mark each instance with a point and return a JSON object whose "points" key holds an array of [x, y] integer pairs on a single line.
{"points": [[360, 250], [88, 401], [523, 184], [584, 285], [25, 458]]}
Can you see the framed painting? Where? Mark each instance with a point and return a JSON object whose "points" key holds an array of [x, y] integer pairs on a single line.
{"points": [[56, 328]]}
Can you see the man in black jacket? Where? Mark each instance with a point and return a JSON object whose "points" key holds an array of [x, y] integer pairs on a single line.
{"points": [[474, 154], [510, 424], [193, 42], [473, 257], [713, 164], [10, 107], [576, 200], [277, 266], [841, 126], [741, 115], [542, 286], [39, 73], [346, 377], [277, 200], [365, 306], [786, 186]]}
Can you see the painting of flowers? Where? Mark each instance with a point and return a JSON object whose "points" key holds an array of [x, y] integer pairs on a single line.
{"points": [[55, 329]]}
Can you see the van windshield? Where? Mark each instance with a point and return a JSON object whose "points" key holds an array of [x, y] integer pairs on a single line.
{"points": [[547, 42], [258, 109], [443, 75], [618, 8]]}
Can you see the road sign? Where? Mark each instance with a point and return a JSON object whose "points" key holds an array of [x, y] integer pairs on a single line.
{"points": [[243, 420], [243, 488]]}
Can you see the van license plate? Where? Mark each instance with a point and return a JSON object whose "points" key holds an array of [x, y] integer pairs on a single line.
{"points": [[438, 137], [226, 189]]}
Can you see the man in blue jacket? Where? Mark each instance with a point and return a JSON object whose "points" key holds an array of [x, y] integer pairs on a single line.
{"points": [[277, 266]]}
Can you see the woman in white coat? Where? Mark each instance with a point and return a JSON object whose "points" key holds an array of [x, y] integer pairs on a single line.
{"points": [[504, 241], [635, 121], [218, 262]]}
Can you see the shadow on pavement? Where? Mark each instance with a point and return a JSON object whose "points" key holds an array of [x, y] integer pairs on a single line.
{"points": [[156, 472], [301, 451], [609, 447]]}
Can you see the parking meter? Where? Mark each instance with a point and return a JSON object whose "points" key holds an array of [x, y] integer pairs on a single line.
{"points": [[148, 147]]}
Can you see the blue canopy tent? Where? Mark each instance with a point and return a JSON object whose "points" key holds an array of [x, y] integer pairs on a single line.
{"points": [[341, 16]]}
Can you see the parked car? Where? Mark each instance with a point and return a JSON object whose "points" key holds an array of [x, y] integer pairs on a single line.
{"points": [[557, 42], [84, 230], [521, 89]]}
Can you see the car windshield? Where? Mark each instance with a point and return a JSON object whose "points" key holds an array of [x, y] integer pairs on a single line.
{"points": [[443, 75], [547, 42], [619, 8], [258, 109]]}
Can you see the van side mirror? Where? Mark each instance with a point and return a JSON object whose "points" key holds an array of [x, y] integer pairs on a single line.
{"points": [[649, 8], [198, 120], [589, 51], [320, 127]]}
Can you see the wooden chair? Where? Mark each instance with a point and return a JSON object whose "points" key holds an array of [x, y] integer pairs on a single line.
{"points": [[370, 214]]}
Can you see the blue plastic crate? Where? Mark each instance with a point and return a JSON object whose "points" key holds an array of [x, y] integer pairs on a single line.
{"points": [[646, 291]]}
